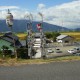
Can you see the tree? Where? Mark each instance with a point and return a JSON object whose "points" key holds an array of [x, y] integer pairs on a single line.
{"points": [[52, 35], [48, 35], [3, 50]]}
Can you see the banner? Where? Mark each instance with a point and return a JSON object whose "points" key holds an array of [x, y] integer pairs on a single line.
{"points": [[39, 26]]}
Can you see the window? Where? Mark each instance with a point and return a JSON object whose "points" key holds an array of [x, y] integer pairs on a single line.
{"points": [[66, 41]]}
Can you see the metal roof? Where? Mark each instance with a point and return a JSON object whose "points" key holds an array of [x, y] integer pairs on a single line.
{"points": [[8, 39], [11, 38], [62, 36], [10, 35]]}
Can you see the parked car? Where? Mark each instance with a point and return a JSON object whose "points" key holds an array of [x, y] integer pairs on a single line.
{"points": [[77, 49], [77, 54], [50, 50], [58, 50], [72, 51]]}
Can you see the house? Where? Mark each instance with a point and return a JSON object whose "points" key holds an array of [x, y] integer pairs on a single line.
{"points": [[65, 39], [8, 39]]}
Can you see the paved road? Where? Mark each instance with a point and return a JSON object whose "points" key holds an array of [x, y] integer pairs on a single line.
{"points": [[50, 71]]}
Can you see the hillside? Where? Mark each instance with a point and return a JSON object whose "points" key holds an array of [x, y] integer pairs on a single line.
{"points": [[20, 26]]}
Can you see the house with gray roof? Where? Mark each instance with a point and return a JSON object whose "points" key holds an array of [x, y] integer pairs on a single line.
{"points": [[65, 39], [8, 39]]}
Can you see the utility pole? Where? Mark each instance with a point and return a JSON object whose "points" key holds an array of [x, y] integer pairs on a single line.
{"points": [[9, 22], [29, 34]]}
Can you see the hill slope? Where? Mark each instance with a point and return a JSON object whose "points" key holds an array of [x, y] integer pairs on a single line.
{"points": [[20, 26]]}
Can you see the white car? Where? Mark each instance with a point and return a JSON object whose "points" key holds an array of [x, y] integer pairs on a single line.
{"points": [[72, 51], [50, 50]]}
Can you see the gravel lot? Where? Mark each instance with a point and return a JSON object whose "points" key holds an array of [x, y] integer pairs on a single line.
{"points": [[50, 71]]}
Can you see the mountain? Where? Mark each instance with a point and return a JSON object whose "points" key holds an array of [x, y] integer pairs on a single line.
{"points": [[21, 26], [77, 29]]}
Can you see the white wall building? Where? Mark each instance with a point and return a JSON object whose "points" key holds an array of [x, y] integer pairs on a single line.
{"points": [[65, 40]]}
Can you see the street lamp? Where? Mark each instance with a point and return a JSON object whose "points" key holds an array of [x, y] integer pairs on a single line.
{"points": [[29, 32], [43, 54], [9, 19], [9, 22]]}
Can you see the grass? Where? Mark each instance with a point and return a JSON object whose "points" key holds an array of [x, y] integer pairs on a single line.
{"points": [[17, 62]]}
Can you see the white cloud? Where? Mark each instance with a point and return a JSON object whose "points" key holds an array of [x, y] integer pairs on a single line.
{"points": [[3, 10], [8, 7], [41, 6], [67, 14], [17, 12]]}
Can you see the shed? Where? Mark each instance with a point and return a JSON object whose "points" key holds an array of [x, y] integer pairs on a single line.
{"points": [[65, 39]]}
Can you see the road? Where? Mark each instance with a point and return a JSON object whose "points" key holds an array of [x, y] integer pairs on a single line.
{"points": [[50, 71]]}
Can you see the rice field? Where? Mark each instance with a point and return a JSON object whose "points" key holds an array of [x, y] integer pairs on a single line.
{"points": [[76, 35], [21, 36]]}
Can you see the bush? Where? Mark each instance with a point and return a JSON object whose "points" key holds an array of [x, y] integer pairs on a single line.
{"points": [[22, 53], [0, 54], [7, 52]]}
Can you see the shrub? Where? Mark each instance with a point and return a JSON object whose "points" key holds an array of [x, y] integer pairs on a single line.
{"points": [[22, 53], [0, 54]]}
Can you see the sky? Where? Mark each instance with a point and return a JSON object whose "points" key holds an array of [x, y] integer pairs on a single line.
{"points": [[64, 13]]}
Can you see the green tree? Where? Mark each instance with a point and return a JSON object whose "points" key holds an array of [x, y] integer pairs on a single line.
{"points": [[48, 35], [3, 50], [52, 35]]}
